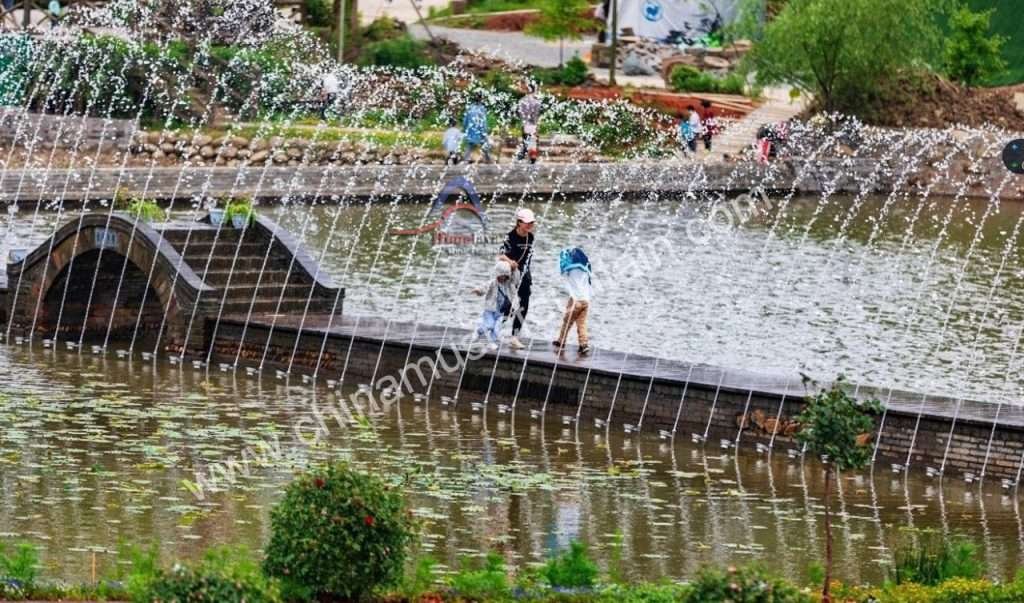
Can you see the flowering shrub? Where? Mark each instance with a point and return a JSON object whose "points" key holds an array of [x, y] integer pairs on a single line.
{"points": [[339, 533], [743, 585]]}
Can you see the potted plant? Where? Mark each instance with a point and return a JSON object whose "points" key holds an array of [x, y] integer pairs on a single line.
{"points": [[239, 212], [216, 216], [146, 210]]}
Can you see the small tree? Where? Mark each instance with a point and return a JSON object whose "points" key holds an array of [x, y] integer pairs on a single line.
{"points": [[973, 53], [842, 53], [837, 428], [560, 19]]}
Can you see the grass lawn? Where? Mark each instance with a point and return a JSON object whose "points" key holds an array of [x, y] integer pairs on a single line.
{"points": [[1007, 21], [488, 6]]}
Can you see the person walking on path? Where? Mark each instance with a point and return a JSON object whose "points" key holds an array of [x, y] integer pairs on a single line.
{"points": [[452, 141], [709, 124], [329, 89], [687, 137], [576, 275], [499, 302], [529, 113], [517, 252], [474, 124], [695, 127]]}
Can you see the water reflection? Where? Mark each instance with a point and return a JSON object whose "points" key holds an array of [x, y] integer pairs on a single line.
{"points": [[93, 451]]}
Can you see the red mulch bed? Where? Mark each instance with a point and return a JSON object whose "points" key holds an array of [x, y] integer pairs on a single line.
{"points": [[671, 103]]}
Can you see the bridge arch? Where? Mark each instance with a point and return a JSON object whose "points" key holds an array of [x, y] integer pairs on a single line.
{"points": [[96, 273]]}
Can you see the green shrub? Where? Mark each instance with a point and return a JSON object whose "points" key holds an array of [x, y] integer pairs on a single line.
{"points": [[572, 569], [320, 13], [420, 580], [19, 564], [402, 52], [934, 559], [146, 210], [743, 585], [195, 586], [573, 73], [339, 532], [488, 582], [973, 53], [685, 78]]}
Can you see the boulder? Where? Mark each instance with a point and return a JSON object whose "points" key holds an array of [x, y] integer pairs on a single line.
{"points": [[201, 140], [167, 147], [207, 152], [293, 153], [229, 152], [239, 142], [259, 156], [280, 157], [258, 144]]}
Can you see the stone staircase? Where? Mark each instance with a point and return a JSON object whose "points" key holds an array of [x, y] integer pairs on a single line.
{"points": [[250, 270], [741, 134]]}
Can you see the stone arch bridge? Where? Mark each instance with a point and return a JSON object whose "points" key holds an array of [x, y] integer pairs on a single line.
{"points": [[107, 277]]}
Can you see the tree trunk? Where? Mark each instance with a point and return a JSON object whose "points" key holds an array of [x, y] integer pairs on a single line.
{"points": [[561, 46], [615, 42], [825, 597]]}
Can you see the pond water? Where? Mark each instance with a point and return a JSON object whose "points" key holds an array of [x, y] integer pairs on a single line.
{"points": [[94, 451], [918, 294]]}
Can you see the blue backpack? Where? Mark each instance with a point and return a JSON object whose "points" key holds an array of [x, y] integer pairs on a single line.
{"points": [[573, 257]]}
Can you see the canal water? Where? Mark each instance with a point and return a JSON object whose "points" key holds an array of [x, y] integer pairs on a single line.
{"points": [[918, 294]]}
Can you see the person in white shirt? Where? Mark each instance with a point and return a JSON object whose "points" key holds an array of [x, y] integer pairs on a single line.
{"points": [[329, 89], [695, 127], [576, 272]]}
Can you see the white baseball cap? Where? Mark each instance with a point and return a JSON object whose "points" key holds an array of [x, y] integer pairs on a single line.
{"points": [[525, 215]]}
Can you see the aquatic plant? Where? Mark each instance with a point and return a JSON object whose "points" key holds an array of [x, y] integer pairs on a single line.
{"points": [[928, 557], [572, 569], [339, 532], [19, 566], [485, 582]]}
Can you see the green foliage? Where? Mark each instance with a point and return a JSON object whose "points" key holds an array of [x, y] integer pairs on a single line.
{"points": [[136, 568], [843, 52], [955, 590], [19, 563], [573, 73], [339, 532], [560, 20], [487, 582], [685, 78], [320, 13], [929, 558], [183, 583], [831, 423], [1013, 29], [146, 210], [239, 206], [742, 585], [572, 569], [421, 580], [973, 53], [402, 52]]}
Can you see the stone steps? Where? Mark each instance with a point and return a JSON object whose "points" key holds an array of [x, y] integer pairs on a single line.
{"points": [[218, 276], [288, 305]]}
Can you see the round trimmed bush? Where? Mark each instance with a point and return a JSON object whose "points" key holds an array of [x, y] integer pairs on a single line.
{"points": [[339, 533], [185, 584]]}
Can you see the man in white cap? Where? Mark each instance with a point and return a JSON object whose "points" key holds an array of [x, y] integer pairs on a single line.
{"points": [[517, 251]]}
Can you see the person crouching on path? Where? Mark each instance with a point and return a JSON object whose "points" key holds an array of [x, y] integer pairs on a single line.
{"points": [[576, 275], [499, 301], [517, 251]]}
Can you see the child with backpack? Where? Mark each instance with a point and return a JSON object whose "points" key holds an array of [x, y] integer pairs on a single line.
{"points": [[576, 271], [499, 295]]}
